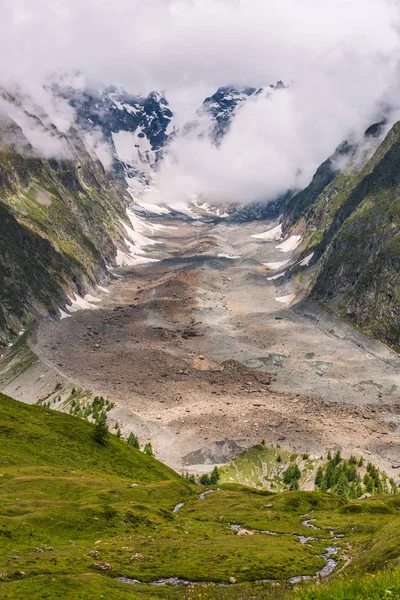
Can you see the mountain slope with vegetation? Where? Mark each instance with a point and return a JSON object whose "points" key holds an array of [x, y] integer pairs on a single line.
{"points": [[85, 516], [60, 217], [353, 226]]}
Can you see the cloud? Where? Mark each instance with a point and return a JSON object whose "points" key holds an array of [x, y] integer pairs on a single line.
{"points": [[46, 142], [95, 141], [338, 57]]}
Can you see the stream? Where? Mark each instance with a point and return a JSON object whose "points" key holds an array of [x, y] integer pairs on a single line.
{"points": [[326, 570]]}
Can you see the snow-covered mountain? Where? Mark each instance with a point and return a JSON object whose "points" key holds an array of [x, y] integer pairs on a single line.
{"points": [[130, 132], [222, 106], [136, 127]]}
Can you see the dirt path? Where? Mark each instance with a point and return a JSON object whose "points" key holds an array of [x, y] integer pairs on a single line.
{"points": [[195, 350]]}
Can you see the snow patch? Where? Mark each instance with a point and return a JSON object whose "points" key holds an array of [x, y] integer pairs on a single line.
{"points": [[137, 189], [134, 148], [306, 261], [274, 266], [287, 300], [143, 226], [231, 256], [274, 234], [290, 244], [155, 209], [170, 127], [123, 259], [210, 209], [63, 315], [103, 289], [90, 298], [140, 240], [276, 276], [78, 303]]}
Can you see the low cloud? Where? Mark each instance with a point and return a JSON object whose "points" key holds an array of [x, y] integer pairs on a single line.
{"points": [[338, 58], [95, 142], [45, 142]]}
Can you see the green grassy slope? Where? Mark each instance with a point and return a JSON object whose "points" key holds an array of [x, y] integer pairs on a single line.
{"points": [[264, 467], [76, 515]]}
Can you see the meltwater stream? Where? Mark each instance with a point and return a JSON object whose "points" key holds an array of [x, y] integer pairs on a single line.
{"points": [[329, 567]]}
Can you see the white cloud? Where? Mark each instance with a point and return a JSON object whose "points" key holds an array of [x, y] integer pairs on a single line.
{"points": [[45, 142], [338, 57], [95, 142]]}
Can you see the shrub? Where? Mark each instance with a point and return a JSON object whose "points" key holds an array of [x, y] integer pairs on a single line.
{"points": [[148, 449], [133, 441]]}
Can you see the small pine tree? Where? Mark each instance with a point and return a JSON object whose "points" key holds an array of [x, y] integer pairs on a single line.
{"points": [[361, 462], [323, 486], [337, 458], [190, 478], [369, 484], [291, 476], [133, 441], [352, 473], [342, 487], [319, 476], [148, 449], [100, 432], [279, 458], [204, 479], [359, 490], [214, 477]]}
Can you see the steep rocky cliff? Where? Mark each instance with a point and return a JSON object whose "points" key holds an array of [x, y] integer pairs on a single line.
{"points": [[353, 226], [60, 216]]}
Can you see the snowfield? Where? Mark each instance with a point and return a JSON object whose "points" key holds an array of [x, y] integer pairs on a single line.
{"points": [[272, 235], [274, 266], [287, 300], [290, 244], [276, 276], [134, 148]]}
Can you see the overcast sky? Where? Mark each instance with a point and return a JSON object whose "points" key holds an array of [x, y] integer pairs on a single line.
{"points": [[339, 57]]}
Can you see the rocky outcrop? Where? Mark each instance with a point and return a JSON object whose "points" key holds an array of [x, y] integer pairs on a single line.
{"points": [[353, 226], [60, 217]]}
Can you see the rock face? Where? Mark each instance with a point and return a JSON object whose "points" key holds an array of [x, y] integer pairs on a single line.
{"points": [[222, 105], [63, 192], [112, 110], [353, 226], [60, 216], [259, 211], [216, 453]]}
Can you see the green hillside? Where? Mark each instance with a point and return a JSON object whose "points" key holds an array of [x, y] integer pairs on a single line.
{"points": [[351, 223], [59, 221], [76, 515], [275, 469]]}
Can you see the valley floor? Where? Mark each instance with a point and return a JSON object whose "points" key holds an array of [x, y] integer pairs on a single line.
{"points": [[200, 358]]}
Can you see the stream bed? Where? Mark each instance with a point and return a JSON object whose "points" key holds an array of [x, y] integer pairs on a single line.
{"points": [[327, 569]]}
